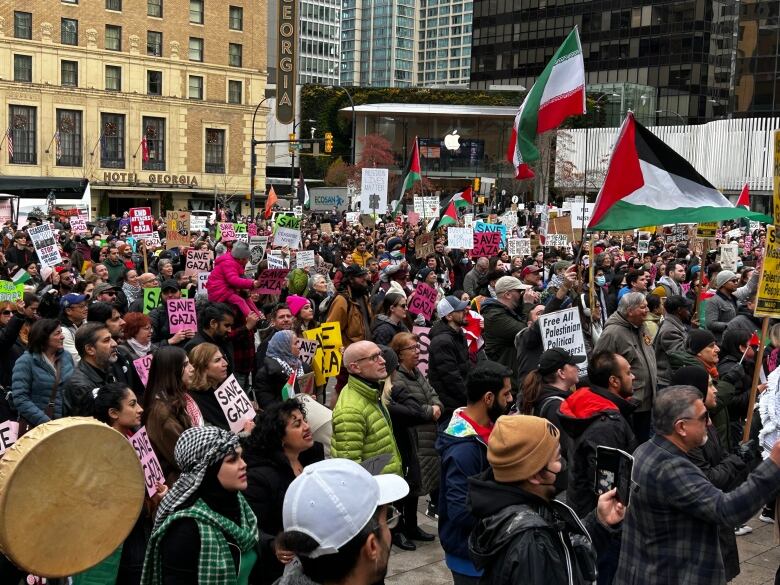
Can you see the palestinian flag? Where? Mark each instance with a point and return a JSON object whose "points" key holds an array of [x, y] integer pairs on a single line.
{"points": [[21, 276], [701, 306], [464, 198], [303, 191], [648, 183], [288, 390], [449, 216], [412, 172], [744, 197], [559, 92]]}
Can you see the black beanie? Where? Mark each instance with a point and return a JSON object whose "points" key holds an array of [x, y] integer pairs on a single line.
{"points": [[695, 376], [698, 339]]}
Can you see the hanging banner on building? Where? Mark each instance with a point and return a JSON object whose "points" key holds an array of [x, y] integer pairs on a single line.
{"points": [[286, 60], [43, 240]]}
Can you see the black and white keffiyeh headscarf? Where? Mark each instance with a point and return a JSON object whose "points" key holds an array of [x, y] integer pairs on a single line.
{"points": [[197, 449]]}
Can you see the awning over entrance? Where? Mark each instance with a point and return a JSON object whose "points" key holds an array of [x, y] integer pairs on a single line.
{"points": [[40, 187]]}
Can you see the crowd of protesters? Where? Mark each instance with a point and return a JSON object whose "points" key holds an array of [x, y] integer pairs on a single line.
{"points": [[497, 432]]}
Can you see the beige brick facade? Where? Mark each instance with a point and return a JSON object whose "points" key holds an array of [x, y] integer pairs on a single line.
{"points": [[186, 121]]}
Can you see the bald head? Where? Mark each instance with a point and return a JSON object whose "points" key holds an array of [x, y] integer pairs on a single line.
{"points": [[364, 359], [148, 280]]}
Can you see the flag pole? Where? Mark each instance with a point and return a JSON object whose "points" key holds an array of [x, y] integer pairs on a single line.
{"points": [[756, 378]]}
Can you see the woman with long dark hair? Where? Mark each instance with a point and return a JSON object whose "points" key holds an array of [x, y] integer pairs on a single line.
{"points": [[168, 409], [391, 320]]}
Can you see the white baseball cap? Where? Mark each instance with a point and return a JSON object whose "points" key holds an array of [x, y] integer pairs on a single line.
{"points": [[332, 500]]}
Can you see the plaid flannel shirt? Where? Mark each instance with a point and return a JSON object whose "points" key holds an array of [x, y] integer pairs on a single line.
{"points": [[670, 533]]}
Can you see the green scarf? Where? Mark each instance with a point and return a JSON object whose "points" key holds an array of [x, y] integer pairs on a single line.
{"points": [[215, 563]]}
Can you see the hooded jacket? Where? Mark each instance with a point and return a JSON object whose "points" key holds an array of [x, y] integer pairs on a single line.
{"points": [[501, 326], [745, 320], [522, 539], [463, 454], [634, 344], [383, 329], [226, 279], [448, 366], [591, 417], [671, 337]]}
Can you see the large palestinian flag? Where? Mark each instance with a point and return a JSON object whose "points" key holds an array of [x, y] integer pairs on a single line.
{"points": [[559, 92], [648, 183], [412, 173]]}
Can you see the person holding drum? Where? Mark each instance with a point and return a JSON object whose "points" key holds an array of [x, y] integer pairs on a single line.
{"points": [[40, 375], [204, 532]]}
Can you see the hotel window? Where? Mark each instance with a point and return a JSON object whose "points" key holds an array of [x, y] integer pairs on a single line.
{"points": [[112, 141], [154, 82], [154, 8], [68, 149], [234, 92], [22, 68], [154, 132], [196, 87], [236, 18], [234, 55], [21, 142], [196, 11], [114, 5], [215, 151], [113, 78], [69, 31], [23, 25], [113, 38], [69, 73], [196, 49], [154, 43]]}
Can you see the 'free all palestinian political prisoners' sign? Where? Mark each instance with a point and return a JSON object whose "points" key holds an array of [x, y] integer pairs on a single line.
{"points": [[563, 329]]}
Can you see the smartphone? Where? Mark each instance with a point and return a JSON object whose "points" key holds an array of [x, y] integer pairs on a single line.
{"points": [[613, 470]]}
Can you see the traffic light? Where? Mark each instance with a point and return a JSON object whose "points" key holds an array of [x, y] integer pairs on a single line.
{"points": [[476, 185], [291, 147], [328, 142]]}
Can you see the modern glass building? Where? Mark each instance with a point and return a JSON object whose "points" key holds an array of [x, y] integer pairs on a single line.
{"points": [[682, 50], [377, 43], [757, 86], [444, 47]]}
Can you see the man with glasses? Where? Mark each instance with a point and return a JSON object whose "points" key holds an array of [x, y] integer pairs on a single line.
{"points": [[73, 314], [722, 308], [146, 280], [361, 423], [104, 293], [671, 528]]}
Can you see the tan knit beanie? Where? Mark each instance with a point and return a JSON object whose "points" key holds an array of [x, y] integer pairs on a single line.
{"points": [[521, 446]]}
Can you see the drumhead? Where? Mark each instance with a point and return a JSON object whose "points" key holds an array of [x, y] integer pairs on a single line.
{"points": [[71, 491]]}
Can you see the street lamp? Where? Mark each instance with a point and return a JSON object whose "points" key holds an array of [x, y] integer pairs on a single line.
{"points": [[292, 155], [684, 121], [253, 163]]}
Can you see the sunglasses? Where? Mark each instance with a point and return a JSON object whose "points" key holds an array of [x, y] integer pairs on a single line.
{"points": [[7, 312]]}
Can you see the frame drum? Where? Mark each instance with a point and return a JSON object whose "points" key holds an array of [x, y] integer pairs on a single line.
{"points": [[71, 491]]}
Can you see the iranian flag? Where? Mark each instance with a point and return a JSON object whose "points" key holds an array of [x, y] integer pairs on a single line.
{"points": [[288, 390], [648, 183], [412, 172], [464, 198], [559, 92]]}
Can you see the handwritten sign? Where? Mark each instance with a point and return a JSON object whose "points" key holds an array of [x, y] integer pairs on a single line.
{"points": [[277, 259], [257, 246], [271, 280], [142, 365], [177, 229], [304, 258], [141, 221], [323, 268], [413, 218], [519, 246], [729, 256], [307, 349], [43, 240], [198, 223], [152, 240], [78, 225], [153, 473], [227, 231], [198, 261], [556, 240], [10, 291], [327, 358], [424, 341], [286, 237], [423, 301], [234, 403], [181, 315], [460, 238], [287, 221], [151, 299], [563, 329], [373, 190], [9, 433], [486, 244], [423, 245]]}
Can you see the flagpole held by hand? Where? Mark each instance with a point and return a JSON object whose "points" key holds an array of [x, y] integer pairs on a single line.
{"points": [[756, 378]]}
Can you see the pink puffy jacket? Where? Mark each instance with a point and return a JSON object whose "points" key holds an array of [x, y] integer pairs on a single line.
{"points": [[226, 278]]}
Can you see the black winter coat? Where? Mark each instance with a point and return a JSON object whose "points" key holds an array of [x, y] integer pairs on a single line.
{"points": [[383, 330], [448, 366], [269, 380], [8, 336]]}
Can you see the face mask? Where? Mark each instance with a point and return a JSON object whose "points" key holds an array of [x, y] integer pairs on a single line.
{"points": [[561, 478], [601, 280]]}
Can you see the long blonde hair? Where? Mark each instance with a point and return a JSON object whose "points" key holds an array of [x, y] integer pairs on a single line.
{"points": [[200, 357]]}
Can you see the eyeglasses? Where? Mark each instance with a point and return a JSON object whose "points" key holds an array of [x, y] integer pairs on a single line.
{"points": [[373, 357], [415, 348], [393, 517], [703, 418]]}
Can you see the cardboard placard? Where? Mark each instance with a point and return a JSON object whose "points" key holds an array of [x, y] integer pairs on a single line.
{"points": [[486, 244], [424, 341], [42, 237], [307, 349], [177, 229], [367, 221], [423, 245], [563, 329], [153, 473], [235, 404], [198, 261], [142, 365], [272, 280], [227, 232], [460, 238], [323, 268], [423, 301], [304, 259], [327, 358], [182, 315], [560, 225]]}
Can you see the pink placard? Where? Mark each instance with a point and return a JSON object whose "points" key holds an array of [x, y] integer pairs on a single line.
{"points": [[413, 218], [142, 365], [424, 336], [423, 301], [227, 231], [486, 244], [271, 280], [234, 403], [252, 229], [181, 315], [9, 432], [153, 473]]}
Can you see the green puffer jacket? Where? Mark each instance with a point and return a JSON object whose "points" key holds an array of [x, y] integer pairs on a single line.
{"points": [[361, 426]]}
